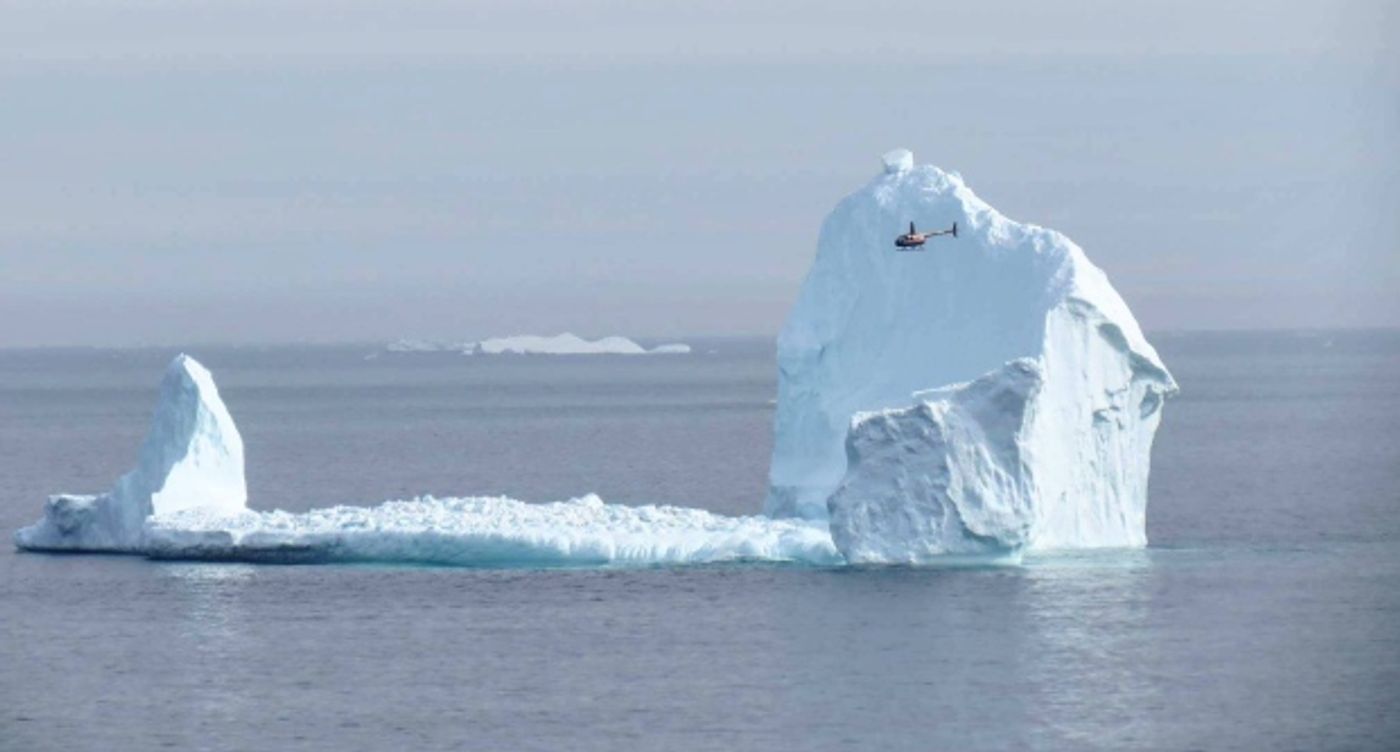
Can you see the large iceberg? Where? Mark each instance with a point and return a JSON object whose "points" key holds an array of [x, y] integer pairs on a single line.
{"points": [[192, 459], [988, 395]]}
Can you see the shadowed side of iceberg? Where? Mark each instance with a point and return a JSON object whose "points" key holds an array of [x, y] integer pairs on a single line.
{"points": [[192, 458]]}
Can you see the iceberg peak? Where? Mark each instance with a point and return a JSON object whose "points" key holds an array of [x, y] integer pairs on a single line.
{"points": [[898, 160], [192, 458], [193, 454]]}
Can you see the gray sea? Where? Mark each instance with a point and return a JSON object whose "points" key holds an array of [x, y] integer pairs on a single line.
{"points": [[1265, 615]]}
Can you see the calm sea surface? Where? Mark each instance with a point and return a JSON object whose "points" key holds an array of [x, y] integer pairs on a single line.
{"points": [[1265, 615]]}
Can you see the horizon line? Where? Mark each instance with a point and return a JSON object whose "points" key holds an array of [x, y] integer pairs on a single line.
{"points": [[682, 338]]}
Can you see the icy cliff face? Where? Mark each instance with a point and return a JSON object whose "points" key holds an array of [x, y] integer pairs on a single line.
{"points": [[192, 458], [997, 392]]}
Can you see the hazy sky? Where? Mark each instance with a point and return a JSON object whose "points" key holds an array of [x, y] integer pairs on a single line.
{"points": [[176, 172]]}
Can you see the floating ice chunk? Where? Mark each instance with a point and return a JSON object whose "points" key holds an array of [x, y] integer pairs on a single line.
{"points": [[192, 458], [671, 349], [1059, 458], [490, 532]]}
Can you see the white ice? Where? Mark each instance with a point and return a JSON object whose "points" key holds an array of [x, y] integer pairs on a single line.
{"points": [[534, 344], [559, 344], [186, 500], [989, 395], [491, 532], [418, 346], [192, 458], [986, 395]]}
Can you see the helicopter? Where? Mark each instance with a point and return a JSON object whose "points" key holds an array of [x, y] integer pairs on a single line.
{"points": [[914, 240]]}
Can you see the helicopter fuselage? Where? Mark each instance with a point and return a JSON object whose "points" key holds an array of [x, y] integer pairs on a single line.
{"points": [[914, 239]]}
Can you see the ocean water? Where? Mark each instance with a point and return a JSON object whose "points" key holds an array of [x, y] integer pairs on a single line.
{"points": [[1265, 614]]}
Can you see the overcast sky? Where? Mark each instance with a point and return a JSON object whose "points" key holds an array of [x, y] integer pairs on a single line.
{"points": [[197, 172]]}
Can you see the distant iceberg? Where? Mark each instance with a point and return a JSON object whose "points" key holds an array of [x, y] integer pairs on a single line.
{"points": [[533, 344], [419, 346], [559, 344]]}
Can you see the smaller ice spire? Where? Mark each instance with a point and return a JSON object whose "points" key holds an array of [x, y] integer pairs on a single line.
{"points": [[192, 459]]}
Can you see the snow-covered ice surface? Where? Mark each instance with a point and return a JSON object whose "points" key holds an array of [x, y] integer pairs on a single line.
{"points": [[191, 458], [490, 532], [987, 395]]}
